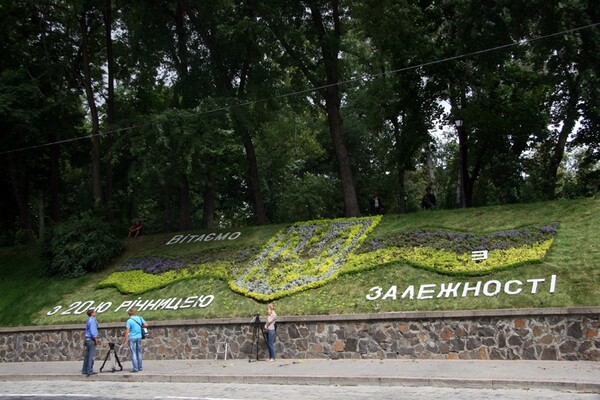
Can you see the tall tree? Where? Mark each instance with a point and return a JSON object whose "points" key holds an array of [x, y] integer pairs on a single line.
{"points": [[399, 103], [86, 31], [228, 34], [485, 87], [310, 33], [39, 103], [110, 103], [571, 63]]}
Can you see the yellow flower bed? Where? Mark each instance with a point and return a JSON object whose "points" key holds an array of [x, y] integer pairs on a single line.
{"points": [[138, 281], [446, 262]]}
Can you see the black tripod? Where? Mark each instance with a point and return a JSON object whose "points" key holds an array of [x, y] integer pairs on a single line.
{"points": [[257, 332], [114, 358]]}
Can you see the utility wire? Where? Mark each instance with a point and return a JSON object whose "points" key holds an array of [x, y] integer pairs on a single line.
{"points": [[318, 88]]}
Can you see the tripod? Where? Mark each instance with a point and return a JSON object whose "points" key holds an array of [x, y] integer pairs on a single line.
{"points": [[114, 358], [257, 331]]}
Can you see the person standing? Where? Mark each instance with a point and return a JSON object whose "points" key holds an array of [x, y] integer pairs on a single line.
{"points": [[91, 340], [429, 201], [133, 337], [270, 328], [377, 204]]}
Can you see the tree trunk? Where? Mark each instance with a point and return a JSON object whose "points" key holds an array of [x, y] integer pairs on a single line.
{"points": [[55, 182], [185, 205], [208, 211], [20, 186], [41, 218], [431, 170], [223, 82], [168, 211], [110, 107], [569, 121], [463, 148], [344, 169], [329, 44], [89, 92], [254, 180], [402, 195]]}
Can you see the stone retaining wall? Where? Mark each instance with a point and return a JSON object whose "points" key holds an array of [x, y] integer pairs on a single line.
{"points": [[532, 334]]}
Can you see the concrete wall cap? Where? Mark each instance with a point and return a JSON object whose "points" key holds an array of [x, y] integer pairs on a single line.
{"points": [[388, 316]]}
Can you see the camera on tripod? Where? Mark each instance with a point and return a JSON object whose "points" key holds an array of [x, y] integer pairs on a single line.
{"points": [[257, 332], [256, 319]]}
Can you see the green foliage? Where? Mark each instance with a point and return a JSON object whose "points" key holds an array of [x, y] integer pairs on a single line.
{"points": [[23, 291], [21, 237], [284, 266], [312, 254], [450, 263], [81, 245], [573, 258], [138, 281]]}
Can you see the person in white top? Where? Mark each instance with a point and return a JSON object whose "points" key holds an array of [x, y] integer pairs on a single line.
{"points": [[270, 328]]}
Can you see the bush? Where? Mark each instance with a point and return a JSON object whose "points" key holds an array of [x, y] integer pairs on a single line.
{"points": [[81, 245]]}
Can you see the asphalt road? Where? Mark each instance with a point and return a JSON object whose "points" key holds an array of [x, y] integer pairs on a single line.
{"points": [[72, 390]]}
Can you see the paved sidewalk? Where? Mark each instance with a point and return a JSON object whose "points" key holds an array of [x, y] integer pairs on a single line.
{"points": [[557, 375]]}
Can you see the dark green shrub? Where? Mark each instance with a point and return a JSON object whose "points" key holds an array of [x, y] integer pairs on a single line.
{"points": [[21, 237], [82, 244]]}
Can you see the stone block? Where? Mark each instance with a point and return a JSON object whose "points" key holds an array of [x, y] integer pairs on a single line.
{"points": [[515, 340], [591, 333], [484, 353], [446, 333], [520, 323], [567, 347], [575, 330]]}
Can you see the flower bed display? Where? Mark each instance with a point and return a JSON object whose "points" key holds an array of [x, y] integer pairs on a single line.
{"points": [[306, 255], [450, 253], [311, 254]]}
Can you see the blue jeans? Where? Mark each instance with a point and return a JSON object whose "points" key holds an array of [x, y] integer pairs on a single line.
{"points": [[88, 356], [135, 346], [271, 343]]}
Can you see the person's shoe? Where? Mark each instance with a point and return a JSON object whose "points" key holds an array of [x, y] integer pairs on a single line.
{"points": [[134, 370], [92, 373]]}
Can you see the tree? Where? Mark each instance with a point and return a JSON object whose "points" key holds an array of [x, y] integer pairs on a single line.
{"points": [[494, 88], [110, 102], [38, 104], [228, 34], [86, 31], [571, 66], [399, 106], [310, 33]]}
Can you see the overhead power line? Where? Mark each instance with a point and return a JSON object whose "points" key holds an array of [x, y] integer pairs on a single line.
{"points": [[318, 88]]}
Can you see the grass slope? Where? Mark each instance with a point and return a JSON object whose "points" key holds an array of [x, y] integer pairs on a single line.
{"points": [[26, 298]]}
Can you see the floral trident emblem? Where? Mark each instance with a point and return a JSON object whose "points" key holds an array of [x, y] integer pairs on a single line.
{"points": [[302, 255]]}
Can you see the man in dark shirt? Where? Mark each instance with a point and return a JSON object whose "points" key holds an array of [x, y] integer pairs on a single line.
{"points": [[377, 204], [428, 200]]}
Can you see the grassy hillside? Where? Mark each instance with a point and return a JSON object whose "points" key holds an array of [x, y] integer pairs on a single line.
{"points": [[574, 258]]}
